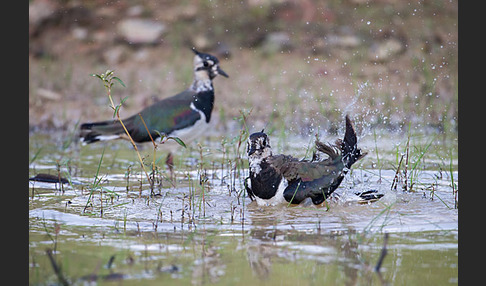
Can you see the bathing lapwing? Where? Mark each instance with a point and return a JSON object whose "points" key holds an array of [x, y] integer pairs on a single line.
{"points": [[185, 115], [276, 179]]}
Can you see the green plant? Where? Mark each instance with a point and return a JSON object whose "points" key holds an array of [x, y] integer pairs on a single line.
{"points": [[96, 183], [453, 184], [108, 78]]}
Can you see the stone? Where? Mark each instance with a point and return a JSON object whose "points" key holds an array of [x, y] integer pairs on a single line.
{"points": [[40, 10], [140, 31], [385, 50], [49, 94]]}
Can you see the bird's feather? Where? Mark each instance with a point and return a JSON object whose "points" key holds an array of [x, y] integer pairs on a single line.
{"points": [[164, 116]]}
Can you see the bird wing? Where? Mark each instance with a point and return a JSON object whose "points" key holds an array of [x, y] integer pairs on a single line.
{"points": [[164, 116], [285, 165], [292, 168]]}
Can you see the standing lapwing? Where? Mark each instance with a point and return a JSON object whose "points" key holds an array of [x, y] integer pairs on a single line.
{"points": [[276, 179], [185, 115]]}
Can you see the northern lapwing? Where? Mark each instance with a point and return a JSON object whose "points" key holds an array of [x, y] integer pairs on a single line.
{"points": [[185, 115], [276, 179]]}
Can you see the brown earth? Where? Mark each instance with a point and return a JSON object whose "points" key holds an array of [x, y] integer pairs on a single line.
{"points": [[295, 64]]}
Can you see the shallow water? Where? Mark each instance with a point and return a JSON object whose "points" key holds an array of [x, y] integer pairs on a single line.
{"points": [[201, 228]]}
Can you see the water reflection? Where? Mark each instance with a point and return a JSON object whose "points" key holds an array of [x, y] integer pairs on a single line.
{"points": [[209, 267], [335, 252]]}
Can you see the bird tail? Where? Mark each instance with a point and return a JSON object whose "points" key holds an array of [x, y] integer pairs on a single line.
{"points": [[349, 145], [328, 149], [100, 131]]}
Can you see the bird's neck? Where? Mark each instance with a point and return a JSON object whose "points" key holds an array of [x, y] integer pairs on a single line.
{"points": [[203, 99], [255, 166], [202, 84], [256, 161]]}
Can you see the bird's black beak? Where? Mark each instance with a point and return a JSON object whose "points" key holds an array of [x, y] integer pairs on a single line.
{"points": [[221, 72], [251, 151]]}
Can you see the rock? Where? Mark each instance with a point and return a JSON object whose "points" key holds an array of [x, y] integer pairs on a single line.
{"points": [[79, 33], [135, 11], [40, 10], [333, 42], [140, 31], [385, 50], [344, 41], [186, 12], [48, 178], [48, 94]]}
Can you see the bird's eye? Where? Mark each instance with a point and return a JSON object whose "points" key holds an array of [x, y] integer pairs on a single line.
{"points": [[205, 63]]}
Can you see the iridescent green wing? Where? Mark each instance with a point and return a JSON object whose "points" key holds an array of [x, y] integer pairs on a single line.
{"points": [[164, 116]]}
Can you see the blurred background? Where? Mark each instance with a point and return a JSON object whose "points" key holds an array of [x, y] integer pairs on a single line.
{"points": [[293, 65]]}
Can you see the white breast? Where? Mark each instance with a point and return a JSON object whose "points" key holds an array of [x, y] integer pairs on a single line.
{"points": [[278, 198], [188, 135]]}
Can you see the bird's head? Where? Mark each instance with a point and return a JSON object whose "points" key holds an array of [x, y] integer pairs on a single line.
{"points": [[206, 66], [258, 146]]}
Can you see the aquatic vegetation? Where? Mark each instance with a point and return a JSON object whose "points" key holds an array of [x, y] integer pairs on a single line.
{"points": [[170, 233]]}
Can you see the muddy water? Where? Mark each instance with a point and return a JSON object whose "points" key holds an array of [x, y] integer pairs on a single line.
{"points": [[200, 228]]}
